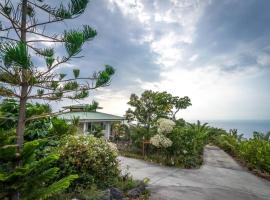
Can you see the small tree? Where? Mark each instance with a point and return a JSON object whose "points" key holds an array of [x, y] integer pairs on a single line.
{"points": [[23, 28], [151, 106]]}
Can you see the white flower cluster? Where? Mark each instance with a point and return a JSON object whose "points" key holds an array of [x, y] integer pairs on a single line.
{"points": [[165, 126], [159, 140], [113, 146]]}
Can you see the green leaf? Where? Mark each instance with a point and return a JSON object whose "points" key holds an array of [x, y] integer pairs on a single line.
{"points": [[47, 52], [74, 8], [16, 54], [76, 73], [75, 39], [54, 84], [49, 61], [6, 92], [40, 92], [104, 77], [29, 149], [73, 42], [56, 187], [62, 76], [88, 32], [72, 85], [80, 95]]}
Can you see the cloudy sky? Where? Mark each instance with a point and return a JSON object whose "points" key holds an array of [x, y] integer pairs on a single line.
{"points": [[216, 52]]}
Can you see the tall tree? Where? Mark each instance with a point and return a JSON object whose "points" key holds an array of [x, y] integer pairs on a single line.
{"points": [[151, 106], [23, 30]]}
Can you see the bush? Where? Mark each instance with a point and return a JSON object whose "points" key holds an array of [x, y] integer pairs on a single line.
{"points": [[93, 159], [187, 147], [228, 143], [256, 153], [138, 134], [177, 144]]}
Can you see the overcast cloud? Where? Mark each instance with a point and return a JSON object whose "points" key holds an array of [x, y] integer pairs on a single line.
{"points": [[215, 52]]}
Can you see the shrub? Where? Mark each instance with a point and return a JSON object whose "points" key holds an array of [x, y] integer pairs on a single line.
{"points": [[256, 153], [138, 134], [187, 147], [59, 127], [93, 159], [160, 141]]}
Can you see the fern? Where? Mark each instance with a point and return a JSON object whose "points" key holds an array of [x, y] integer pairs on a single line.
{"points": [[55, 188]]}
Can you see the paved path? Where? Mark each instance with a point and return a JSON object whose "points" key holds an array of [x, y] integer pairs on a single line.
{"points": [[220, 178]]}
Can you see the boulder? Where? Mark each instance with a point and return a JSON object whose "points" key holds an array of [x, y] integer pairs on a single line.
{"points": [[107, 195], [137, 191], [116, 193]]}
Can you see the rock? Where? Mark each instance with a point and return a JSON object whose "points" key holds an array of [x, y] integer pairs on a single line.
{"points": [[107, 195], [116, 193], [137, 191]]}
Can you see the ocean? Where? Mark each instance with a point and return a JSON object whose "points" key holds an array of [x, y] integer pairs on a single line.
{"points": [[245, 127]]}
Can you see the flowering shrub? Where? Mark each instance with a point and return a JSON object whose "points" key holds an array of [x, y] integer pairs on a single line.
{"points": [[165, 125], [159, 140], [93, 159]]}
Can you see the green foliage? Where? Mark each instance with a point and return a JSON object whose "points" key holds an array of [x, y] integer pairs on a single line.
{"points": [[74, 8], [121, 131], [151, 106], [60, 128], [103, 77], [254, 152], [228, 142], [188, 141], [138, 134], [76, 73], [9, 109], [187, 146], [261, 136], [33, 178], [91, 158], [15, 54], [92, 107]]}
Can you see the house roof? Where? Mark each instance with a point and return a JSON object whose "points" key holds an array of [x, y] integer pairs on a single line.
{"points": [[76, 106], [91, 116]]}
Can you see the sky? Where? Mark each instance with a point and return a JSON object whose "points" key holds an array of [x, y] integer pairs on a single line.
{"points": [[216, 52]]}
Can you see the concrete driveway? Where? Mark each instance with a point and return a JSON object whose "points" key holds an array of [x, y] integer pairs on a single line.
{"points": [[220, 178]]}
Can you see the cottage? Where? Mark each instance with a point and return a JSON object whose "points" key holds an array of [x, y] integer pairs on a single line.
{"points": [[90, 120]]}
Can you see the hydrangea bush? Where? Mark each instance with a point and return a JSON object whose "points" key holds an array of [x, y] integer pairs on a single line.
{"points": [[160, 141], [165, 126]]}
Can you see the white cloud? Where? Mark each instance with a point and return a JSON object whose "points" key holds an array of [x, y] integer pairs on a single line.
{"points": [[263, 59]]}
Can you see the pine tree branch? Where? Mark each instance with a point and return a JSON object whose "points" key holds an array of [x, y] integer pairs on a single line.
{"points": [[14, 24], [43, 35], [42, 8], [46, 115], [11, 39], [44, 23], [45, 95], [64, 60]]}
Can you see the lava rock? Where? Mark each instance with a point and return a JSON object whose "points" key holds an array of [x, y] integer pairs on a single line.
{"points": [[107, 195], [116, 193], [137, 191]]}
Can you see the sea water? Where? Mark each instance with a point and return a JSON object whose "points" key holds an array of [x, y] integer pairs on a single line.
{"points": [[245, 127]]}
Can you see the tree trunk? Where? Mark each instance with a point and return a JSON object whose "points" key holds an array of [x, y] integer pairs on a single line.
{"points": [[21, 119], [23, 98]]}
